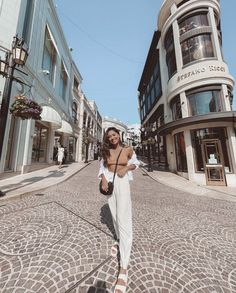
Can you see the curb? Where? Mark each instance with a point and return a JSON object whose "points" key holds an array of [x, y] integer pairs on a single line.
{"points": [[189, 192]]}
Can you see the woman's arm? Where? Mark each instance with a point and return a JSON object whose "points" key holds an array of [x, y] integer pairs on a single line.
{"points": [[133, 161], [102, 176], [101, 169]]}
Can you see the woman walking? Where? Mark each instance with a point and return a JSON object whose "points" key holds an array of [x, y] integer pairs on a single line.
{"points": [[60, 155], [120, 200]]}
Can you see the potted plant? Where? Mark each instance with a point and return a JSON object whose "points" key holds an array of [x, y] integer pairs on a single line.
{"points": [[25, 108]]}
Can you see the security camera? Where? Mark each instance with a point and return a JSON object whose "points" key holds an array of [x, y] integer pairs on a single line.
{"points": [[46, 72]]}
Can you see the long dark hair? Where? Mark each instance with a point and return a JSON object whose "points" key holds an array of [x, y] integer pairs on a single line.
{"points": [[106, 144]]}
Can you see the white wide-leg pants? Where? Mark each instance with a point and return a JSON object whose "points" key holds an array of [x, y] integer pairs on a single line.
{"points": [[121, 210]]}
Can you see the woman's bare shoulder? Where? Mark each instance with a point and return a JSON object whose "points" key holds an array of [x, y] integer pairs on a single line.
{"points": [[129, 150]]}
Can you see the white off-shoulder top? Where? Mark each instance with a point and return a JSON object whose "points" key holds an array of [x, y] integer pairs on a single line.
{"points": [[109, 175]]}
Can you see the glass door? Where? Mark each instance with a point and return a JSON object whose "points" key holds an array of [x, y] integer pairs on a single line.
{"points": [[213, 162], [39, 150]]}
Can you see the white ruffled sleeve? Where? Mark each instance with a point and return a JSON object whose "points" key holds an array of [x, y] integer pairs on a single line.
{"points": [[134, 161], [102, 169]]}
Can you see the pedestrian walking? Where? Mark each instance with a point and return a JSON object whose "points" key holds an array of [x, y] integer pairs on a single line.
{"points": [[65, 156], [60, 155], [120, 200], [55, 151]]}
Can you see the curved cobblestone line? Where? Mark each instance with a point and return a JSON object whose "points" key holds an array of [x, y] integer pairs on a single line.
{"points": [[164, 201], [17, 237], [60, 267], [232, 278], [228, 233], [148, 203], [6, 270], [188, 252], [163, 271], [102, 281], [169, 275], [186, 255], [92, 248]]}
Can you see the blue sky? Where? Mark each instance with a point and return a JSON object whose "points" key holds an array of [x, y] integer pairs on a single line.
{"points": [[110, 41]]}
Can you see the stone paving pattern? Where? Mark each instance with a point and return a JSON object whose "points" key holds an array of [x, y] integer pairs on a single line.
{"points": [[59, 240]]}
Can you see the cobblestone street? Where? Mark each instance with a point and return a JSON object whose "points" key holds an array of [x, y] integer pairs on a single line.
{"points": [[59, 240]]}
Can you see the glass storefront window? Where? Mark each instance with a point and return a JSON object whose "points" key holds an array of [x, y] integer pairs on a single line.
{"points": [[49, 56], [152, 90], [72, 149], [152, 95], [40, 138], [196, 48], [176, 108], [170, 52], [209, 133], [158, 89], [205, 102], [192, 22], [180, 151]]}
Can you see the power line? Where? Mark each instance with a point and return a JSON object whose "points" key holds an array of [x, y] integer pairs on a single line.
{"points": [[98, 42]]}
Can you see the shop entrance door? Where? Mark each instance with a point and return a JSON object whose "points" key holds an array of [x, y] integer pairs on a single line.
{"points": [[39, 149], [213, 162]]}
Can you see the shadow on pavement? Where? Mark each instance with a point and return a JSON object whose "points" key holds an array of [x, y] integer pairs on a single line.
{"points": [[32, 180], [106, 218], [99, 286]]}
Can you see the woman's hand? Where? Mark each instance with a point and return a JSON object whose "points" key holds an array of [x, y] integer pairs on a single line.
{"points": [[122, 171], [104, 184]]}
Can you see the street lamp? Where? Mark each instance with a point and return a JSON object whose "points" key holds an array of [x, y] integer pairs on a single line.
{"points": [[87, 140], [16, 57], [148, 135], [3, 67], [150, 142]]}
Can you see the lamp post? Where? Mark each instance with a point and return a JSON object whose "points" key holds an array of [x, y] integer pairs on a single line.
{"points": [[16, 57], [150, 142], [86, 140]]}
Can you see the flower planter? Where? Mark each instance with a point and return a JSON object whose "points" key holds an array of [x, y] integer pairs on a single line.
{"points": [[25, 108]]}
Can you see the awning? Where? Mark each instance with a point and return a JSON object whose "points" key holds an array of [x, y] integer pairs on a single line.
{"points": [[65, 128], [50, 115]]}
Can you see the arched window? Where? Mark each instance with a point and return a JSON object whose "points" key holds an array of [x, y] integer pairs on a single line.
{"points": [[195, 37], [170, 52], [175, 106]]}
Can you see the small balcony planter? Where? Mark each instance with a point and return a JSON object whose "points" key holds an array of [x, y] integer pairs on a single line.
{"points": [[25, 108]]}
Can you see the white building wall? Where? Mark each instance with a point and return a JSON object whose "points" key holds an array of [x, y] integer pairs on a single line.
{"points": [[12, 15], [197, 74], [113, 122]]}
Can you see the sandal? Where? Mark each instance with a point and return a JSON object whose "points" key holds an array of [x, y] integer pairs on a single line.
{"points": [[114, 249], [121, 288]]}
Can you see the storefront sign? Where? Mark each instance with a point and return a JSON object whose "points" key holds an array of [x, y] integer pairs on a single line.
{"points": [[210, 68]]}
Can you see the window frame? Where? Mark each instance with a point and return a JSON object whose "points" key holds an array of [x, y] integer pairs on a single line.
{"points": [[198, 90], [63, 81], [188, 36], [224, 145], [49, 50], [180, 162]]}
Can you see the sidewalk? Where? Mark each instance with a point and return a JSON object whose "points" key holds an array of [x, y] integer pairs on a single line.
{"points": [[180, 183], [19, 186]]}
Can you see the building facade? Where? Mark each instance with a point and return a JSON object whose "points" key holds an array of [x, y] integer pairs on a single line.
{"points": [[54, 83], [185, 95], [113, 122]]}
